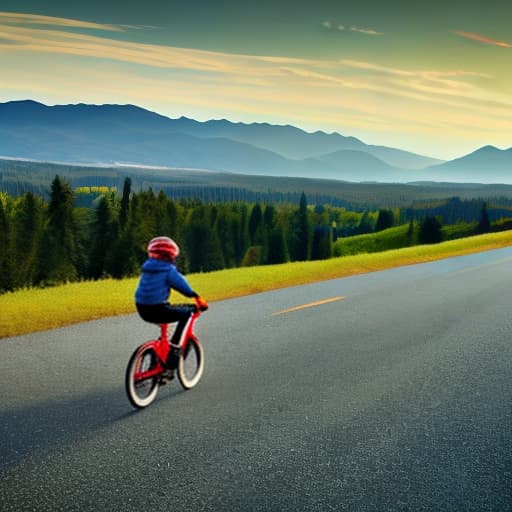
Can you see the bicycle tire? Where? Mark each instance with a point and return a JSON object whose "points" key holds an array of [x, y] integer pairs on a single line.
{"points": [[142, 393], [191, 364]]}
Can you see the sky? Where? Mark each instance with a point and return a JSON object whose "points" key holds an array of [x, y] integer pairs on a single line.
{"points": [[434, 78]]}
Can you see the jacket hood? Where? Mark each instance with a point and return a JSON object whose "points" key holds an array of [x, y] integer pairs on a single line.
{"points": [[153, 265]]}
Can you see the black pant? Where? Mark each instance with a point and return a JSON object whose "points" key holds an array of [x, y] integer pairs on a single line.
{"points": [[166, 314]]}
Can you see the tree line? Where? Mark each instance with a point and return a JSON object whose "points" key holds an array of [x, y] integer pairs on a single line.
{"points": [[19, 177], [55, 240]]}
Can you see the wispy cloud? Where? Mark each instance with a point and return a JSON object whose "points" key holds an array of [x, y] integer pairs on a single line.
{"points": [[367, 31], [483, 39], [369, 66], [51, 38], [60, 42], [11, 18], [454, 87], [260, 71], [333, 26]]}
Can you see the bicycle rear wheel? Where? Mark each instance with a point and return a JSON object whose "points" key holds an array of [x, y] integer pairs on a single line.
{"points": [[142, 377], [191, 364]]}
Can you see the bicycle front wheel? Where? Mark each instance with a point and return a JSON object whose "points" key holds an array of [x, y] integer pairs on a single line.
{"points": [[191, 364], [142, 377]]}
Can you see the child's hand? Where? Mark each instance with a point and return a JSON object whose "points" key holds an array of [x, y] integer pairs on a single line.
{"points": [[201, 304]]}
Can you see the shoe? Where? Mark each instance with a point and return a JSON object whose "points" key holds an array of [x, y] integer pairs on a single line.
{"points": [[166, 376], [174, 357]]}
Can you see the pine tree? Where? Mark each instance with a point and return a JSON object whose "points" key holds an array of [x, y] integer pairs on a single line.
{"points": [[269, 220], [172, 216], [146, 216], [27, 236], [303, 233], [125, 202], [410, 232], [130, 249], [161, 213], [202, 242], [124, 258], [6, 253], [321, 246], [365, 225], [385, 220], [57, 252], [484, 225], [226, 228], [84, 222], [241, 237], [430, 231], [277, 249], [256, 225], [102, 238]]}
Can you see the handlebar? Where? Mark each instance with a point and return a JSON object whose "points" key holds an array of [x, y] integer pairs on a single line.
{"points": [[196, 307], [201, 304]]}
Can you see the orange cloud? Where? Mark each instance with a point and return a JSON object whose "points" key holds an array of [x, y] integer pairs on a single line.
{"points": [[483, 39]]}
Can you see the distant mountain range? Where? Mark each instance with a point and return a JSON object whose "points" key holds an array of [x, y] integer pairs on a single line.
{"points": [[485, 165], [126, 134]]}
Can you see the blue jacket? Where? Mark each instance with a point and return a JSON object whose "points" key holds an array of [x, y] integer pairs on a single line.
{"points": [[157, 279]]}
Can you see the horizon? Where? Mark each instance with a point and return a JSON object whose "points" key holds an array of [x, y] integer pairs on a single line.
{"points": [[432, 80]]}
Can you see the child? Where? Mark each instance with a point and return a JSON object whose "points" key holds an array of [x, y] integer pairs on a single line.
{"points": [[159, 276]]}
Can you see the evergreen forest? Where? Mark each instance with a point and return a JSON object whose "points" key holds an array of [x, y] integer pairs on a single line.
{"points": [[85, 233]]}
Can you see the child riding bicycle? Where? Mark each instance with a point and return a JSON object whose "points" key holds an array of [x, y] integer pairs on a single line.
{"points": [[159, 277]]}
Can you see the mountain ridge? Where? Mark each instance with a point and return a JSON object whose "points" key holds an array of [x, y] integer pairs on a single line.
{"points": [[129, 134], [496, 162]]}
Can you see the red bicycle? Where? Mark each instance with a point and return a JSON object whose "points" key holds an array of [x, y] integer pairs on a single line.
{"points": [[148, 369]]}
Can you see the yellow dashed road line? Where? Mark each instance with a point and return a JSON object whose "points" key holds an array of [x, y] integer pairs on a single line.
{"points": [[310, 305]]}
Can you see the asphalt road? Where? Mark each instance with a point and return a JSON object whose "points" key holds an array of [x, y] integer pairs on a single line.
{"points": [[395, 396]]}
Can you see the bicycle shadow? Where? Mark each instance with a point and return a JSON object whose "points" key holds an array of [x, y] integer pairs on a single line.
{"points": [[35, 428]]}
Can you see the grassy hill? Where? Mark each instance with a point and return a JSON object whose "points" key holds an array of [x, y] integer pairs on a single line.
{"points": [[394, 238]]}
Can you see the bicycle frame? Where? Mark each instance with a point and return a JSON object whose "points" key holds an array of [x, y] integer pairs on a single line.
{"points": [[162, 346]]}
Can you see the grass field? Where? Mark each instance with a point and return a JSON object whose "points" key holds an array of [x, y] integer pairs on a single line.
{"points": [[33, 310], [386, 240], [395, 238]]}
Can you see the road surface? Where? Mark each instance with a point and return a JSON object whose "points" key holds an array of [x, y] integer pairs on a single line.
{"points": [[389, 391]]}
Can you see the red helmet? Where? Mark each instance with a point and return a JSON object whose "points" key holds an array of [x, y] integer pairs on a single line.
{"points": [[163, 248]]}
